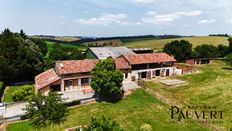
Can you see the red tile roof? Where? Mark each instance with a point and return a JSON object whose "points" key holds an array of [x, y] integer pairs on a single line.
{"points": [[75, 66], [149, 58], [121, 63], [46, 78]]}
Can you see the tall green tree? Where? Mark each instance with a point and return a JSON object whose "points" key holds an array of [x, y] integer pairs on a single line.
{"points": [[106, 79], [206, 51], [20, 59], [23, 34], [46, 110], [41, 44], [222, 50], [230, 45], [180, 49]]}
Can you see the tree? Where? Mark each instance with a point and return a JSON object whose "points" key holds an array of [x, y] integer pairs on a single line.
{"points": [[103, 124], [206, 51], [23, 34], [20, 59], [230, 45], [229, 60], [181, 50], [46, 110], [222, 50], [65, 53], [106, 79], [42, 45]]}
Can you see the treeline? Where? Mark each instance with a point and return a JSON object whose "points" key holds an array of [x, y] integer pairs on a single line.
{"points": [[85, 40], [183, 50], [223, 35]]}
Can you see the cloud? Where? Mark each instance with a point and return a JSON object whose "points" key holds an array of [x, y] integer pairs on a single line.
{"points": [[145, 1], [206, 21], [229, 21], [104, 19], [154, 18]]}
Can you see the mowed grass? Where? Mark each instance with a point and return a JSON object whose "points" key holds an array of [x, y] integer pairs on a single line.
{"points": [[138, 108], [50, 46], [159, 44], [10, 90], [211, 86]]}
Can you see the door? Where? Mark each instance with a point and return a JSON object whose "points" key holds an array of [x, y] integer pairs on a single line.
{"points": [[144, 74], [167, 72]]}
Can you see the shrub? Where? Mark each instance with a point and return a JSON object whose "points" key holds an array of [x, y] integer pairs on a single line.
{"points": [[146, 127], [103, 123], [24, 94]]}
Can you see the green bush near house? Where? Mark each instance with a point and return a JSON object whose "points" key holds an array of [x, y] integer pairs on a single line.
{"points": [[18, 93], [24, 94]]}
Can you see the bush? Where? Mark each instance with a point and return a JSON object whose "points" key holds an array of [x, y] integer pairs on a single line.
{"points": [[24, 94], [103, 123], [1, 88], [146, 127]]}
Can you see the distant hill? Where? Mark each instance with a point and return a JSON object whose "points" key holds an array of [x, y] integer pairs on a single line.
{"points": [[159, 43]]}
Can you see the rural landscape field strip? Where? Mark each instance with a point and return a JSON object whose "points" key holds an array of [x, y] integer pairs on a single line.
{"points": [[131, 113]]}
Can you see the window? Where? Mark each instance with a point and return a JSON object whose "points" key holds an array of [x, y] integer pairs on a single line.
{"points": [[126, 75], [84, 81], [69, 83]]}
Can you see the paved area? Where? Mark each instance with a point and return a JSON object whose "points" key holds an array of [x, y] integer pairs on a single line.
{"points": [[76, 95], [15, 110], [173, 82], [129, 85]]}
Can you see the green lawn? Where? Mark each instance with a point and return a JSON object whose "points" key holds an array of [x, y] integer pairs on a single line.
{"points": [[212, 86], [130, 113], [159, 44], [50, 44], [12, 89]]}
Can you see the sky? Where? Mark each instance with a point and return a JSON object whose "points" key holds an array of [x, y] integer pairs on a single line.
{"points": [[104, 18]]}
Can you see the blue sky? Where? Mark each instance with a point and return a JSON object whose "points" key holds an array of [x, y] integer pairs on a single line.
{"points": [[117, 17]]}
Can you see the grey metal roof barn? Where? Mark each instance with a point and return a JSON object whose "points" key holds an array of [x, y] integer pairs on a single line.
{"points": [[104, 52]]}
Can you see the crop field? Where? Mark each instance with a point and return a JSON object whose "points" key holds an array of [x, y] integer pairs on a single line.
{"points": [[159, 44]]}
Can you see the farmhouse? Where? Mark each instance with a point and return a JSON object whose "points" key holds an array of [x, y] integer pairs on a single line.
{"points": [[72, 75]]}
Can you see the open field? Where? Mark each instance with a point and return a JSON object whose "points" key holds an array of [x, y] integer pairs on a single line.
{"points": [[50, 46], [210, 87], [130, 113], [159, 44], [11, 90]]}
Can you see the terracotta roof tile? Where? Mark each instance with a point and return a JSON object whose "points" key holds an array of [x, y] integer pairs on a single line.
{"points": [[46, 78], [76, 66], [121, 63], [149, 58]]}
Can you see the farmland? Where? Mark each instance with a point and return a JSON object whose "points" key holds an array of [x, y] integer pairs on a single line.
{"points": [[159, 43]]}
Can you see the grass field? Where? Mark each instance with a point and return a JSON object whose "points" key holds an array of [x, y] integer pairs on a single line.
{"points": [[159, 44], [130, 113], [211, 87], [50, 46], [12, 89]]}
